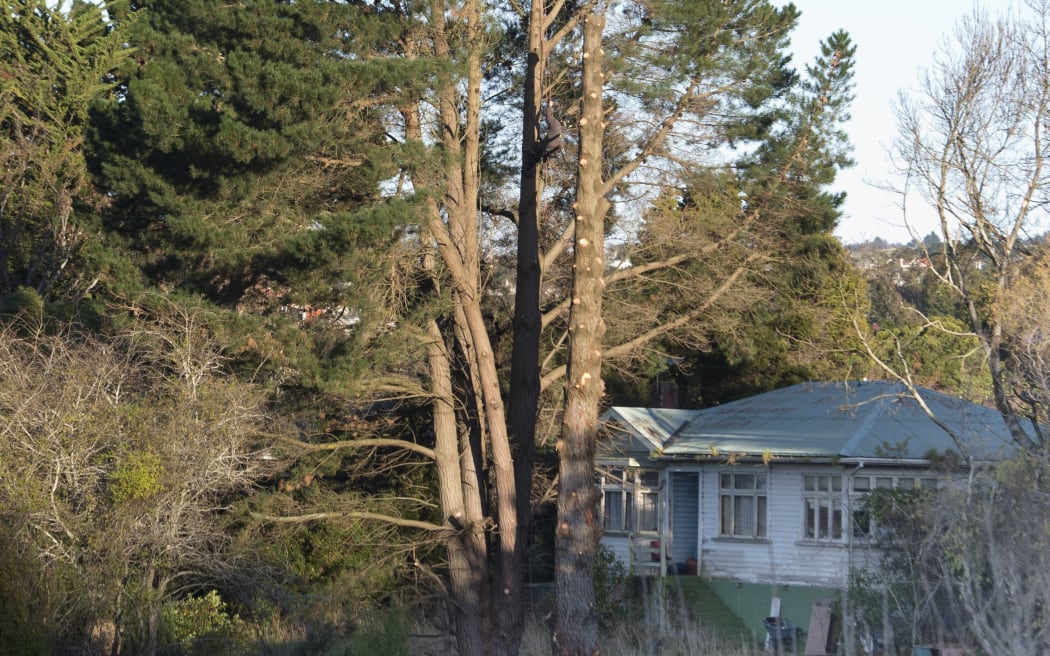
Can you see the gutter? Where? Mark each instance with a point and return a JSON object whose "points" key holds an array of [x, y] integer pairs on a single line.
{"points": [[816, 459], [820, 459]]}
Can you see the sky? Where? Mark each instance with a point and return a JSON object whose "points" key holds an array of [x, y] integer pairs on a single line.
{"points": [[895, 40]]}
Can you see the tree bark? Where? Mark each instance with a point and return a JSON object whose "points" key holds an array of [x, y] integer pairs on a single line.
{"points": [[466, 541], [456, 232], [525, 356], [578, 530]]}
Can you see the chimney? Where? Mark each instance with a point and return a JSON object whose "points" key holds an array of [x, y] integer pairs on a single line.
{"points": [[663, 394]]}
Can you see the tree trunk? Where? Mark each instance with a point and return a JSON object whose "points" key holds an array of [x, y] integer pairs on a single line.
{"points": [[579, 530], [507, 598], [457, 240], [524, 368], [466, 541]]}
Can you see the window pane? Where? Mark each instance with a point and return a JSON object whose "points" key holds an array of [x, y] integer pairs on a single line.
{"points": [[861, 484], [823, 522], [628, 520], [650, 479], [761, 530], [861, 522], [884, 483], [823, 506], [906, 483], [727, 481], [811, 519], [614, 511], [727, 515], [744, 516], [760, 482], [647, 511], [744, 482], [929, 483]]}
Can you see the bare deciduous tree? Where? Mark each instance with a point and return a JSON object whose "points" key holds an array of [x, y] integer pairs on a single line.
{"points": [[973, 144], [116, 472], [966, 565]]}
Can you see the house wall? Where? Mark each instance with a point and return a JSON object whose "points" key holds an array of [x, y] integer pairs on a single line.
{"points": [[620, 546], [783, 557]]}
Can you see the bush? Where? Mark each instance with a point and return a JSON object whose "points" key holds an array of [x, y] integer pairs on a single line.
{"points": [[202, 625], [385, 636], [610, 588], [137, 476]]}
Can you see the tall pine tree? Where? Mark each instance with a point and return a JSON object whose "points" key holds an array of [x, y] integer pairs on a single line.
{"points": [[243, 158]]}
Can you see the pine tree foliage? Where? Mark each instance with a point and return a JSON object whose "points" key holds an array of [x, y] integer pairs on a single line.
{"points": [[759, 284], [228, 116], [244, 157], [54, 62]]}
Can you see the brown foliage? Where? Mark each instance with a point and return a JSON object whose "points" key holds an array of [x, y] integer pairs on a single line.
{"points": [[116, 470]]}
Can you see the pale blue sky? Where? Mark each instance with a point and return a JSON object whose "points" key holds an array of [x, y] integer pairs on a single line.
{"points": [[895, 39]]}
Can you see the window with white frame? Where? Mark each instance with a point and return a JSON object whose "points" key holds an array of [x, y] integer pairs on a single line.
{"points": [[822, 502], [630, 500], [742, 504], [862, 486], [615, 509], [647, 501]]}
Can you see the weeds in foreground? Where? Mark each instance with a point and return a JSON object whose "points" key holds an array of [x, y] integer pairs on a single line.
{"points": [[655, 623]]}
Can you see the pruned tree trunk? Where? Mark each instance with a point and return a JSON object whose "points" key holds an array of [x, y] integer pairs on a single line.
{"points": [[579, 529]]}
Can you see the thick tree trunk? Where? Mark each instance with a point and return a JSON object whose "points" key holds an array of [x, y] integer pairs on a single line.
{"points": [[507, 598], [524, 368], [579, 530]]}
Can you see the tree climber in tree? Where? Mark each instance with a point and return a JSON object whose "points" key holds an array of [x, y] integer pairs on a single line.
{"points": [[552, 139]]}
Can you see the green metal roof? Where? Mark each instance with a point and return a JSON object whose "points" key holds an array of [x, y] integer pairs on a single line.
{"points": [[863, 420]]}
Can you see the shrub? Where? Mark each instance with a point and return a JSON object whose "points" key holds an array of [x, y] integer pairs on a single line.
{"points": [[610, 588], [385, 636], [202, 625], [137, 476]]}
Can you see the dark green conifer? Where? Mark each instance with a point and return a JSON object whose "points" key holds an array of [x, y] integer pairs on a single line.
{"points": [[244, 158]]}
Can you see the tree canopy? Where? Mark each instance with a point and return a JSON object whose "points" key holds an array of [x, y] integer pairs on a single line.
{"points": [[413, 305]]}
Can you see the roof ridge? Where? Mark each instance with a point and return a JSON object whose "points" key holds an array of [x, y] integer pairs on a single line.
{"points": [[864, 428]]}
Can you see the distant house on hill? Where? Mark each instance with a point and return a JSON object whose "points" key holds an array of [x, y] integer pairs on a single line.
{"points": [[770, 490]]}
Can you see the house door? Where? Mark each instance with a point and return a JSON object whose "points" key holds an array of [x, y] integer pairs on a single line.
{"points": [[685, 517]]}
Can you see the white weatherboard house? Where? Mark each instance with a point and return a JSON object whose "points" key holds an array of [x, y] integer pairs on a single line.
{"points": [[770, 489]]}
